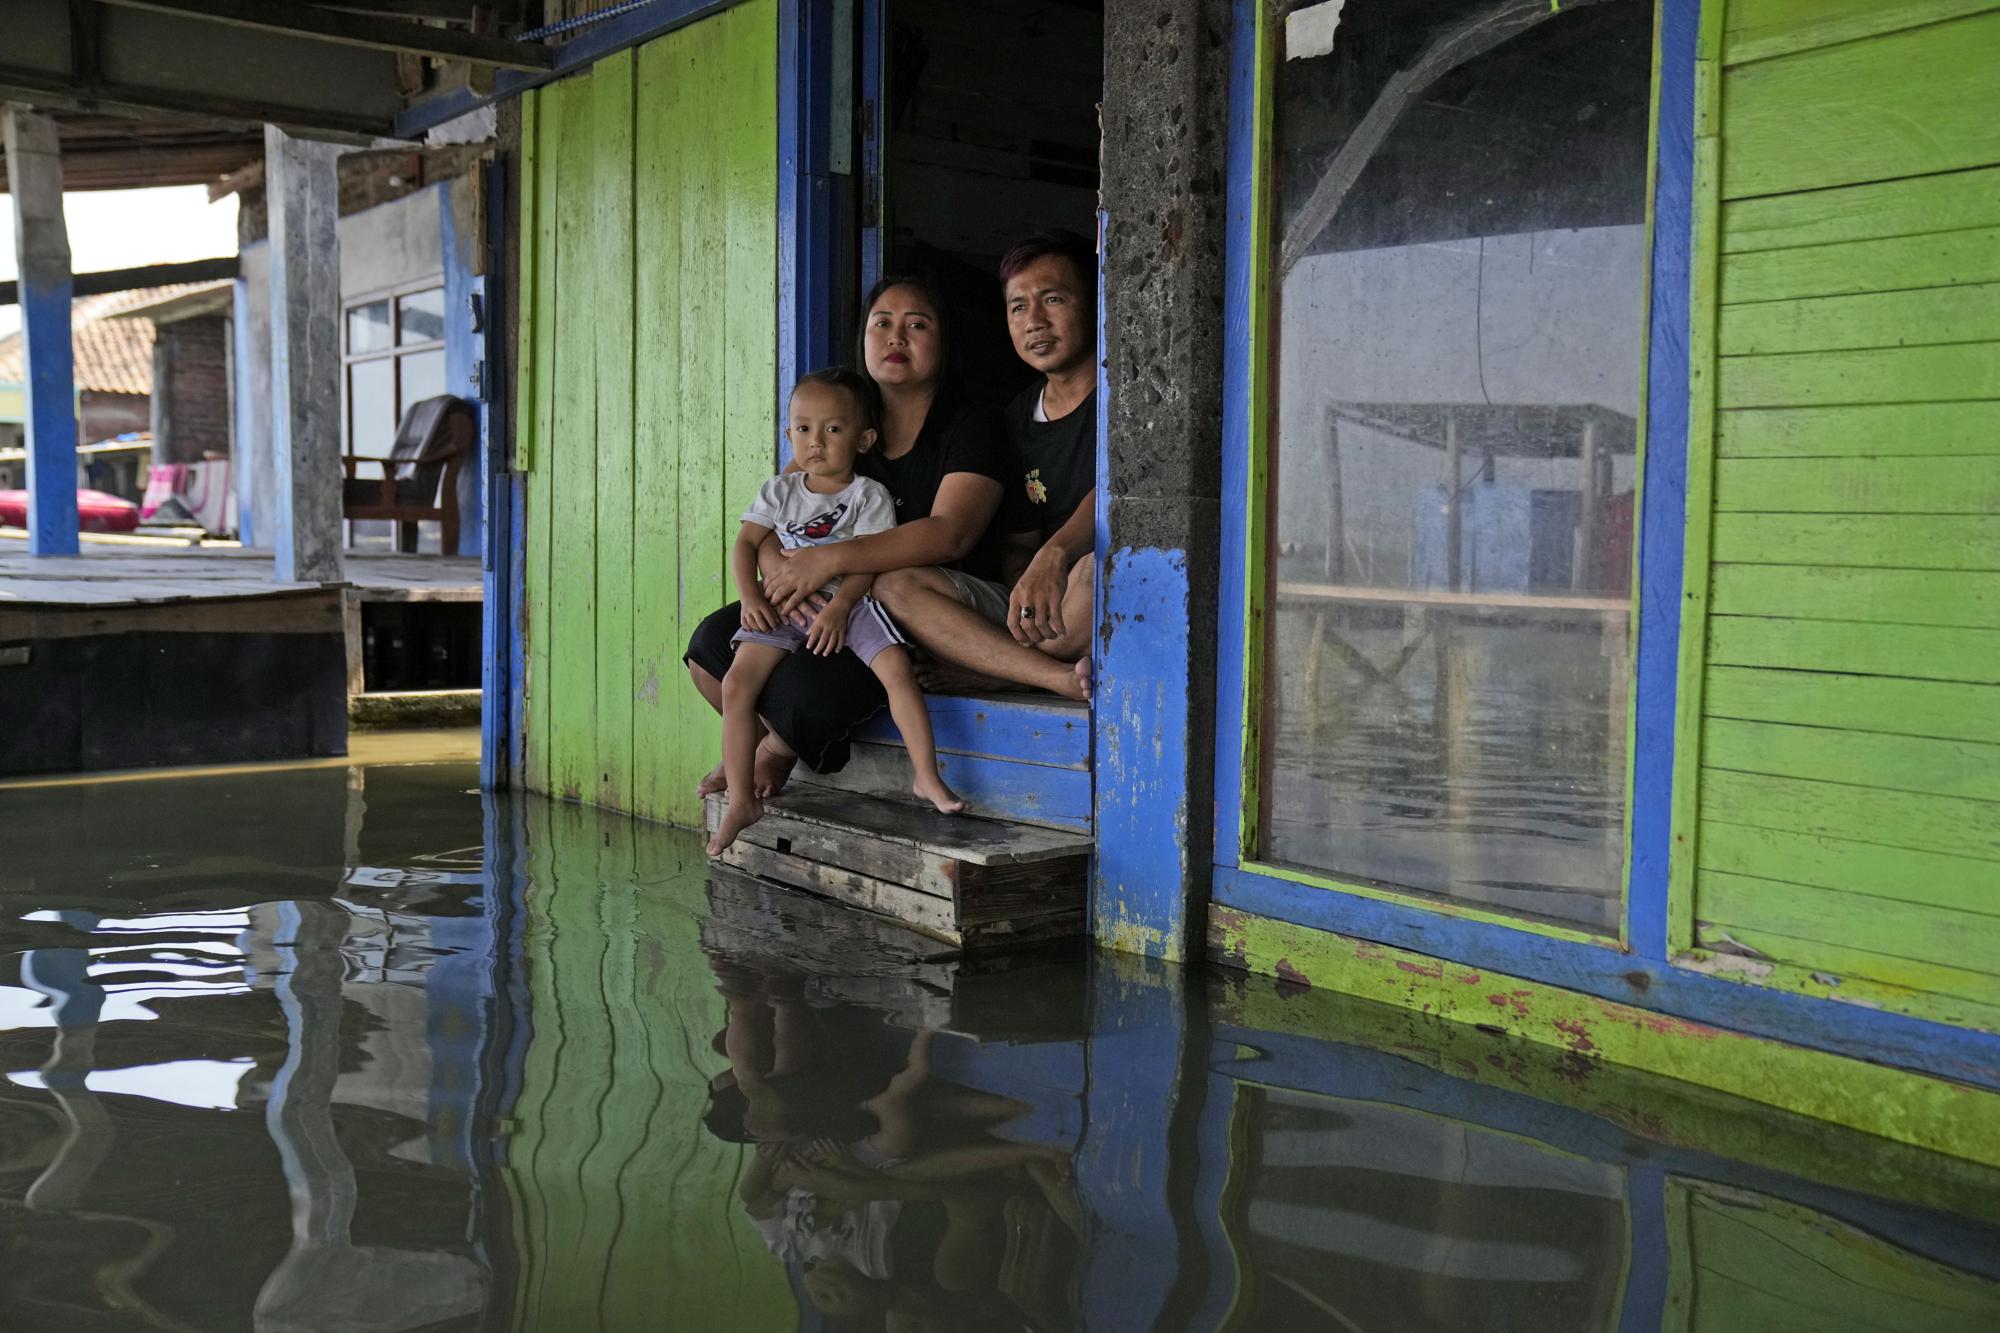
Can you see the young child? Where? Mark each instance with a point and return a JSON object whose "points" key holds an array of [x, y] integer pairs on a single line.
{"points": [[830, 424]]}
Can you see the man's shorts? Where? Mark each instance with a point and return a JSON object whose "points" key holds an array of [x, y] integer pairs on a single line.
{"points": [[869, 631], [989, 599]]}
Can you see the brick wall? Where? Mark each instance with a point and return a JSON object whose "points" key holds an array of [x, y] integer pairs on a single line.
{"points": [[192, 371]]}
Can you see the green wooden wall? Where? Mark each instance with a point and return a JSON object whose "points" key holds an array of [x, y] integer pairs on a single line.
{"points": [[648, 377], [1838, 802]]}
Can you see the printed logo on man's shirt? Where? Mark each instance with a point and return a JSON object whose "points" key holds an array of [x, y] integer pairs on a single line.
{"points": [[1036, 491], [817, 529]]}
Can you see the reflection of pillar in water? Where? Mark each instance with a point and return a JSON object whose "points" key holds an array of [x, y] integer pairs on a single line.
{"points": [[76, 1001], [1583, 570], [325, 1281], [1453, 516]]}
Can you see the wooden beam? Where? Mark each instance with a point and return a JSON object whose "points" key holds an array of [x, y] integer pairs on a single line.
{"points": [[41, 249], [135, 279], [356, 29]]}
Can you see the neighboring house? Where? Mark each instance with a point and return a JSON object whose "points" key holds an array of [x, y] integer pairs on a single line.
{"points": [[114, 383]]}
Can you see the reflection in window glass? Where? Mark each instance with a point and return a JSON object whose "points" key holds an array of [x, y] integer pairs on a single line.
{"points": [[371, 409], [1458, 266], [423, 377], [368, 328], [420, 317]]}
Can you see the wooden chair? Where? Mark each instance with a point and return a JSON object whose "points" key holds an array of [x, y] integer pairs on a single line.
{"points": [[419, 481]]}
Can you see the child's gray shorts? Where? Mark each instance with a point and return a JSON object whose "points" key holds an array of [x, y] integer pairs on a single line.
{"points": [[869, 631]]}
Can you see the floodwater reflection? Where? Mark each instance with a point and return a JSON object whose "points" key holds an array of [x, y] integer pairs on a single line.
{"points": [[357, 1049]]}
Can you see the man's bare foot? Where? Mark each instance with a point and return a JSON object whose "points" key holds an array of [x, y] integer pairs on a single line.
{"points": [[1083, 681], [744, 810], [773, 767], [944, 798], [713, 783]]}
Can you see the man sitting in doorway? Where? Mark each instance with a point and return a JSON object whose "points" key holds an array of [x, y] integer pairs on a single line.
{"points": [[1050, 296]]}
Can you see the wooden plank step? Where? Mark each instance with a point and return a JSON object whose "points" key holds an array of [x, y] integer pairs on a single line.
{"points": [[971, 883]]}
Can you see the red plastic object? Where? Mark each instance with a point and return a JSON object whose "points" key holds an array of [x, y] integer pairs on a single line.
{"points": [[95, 511]]}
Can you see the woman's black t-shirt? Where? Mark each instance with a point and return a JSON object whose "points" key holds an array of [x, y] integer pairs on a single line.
{"points": [[957, 437]]}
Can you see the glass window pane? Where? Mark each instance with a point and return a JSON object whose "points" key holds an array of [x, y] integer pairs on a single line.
{"points": [[368, 327], [1459, 271], [423, 377], [420, 317], [371, 402]]}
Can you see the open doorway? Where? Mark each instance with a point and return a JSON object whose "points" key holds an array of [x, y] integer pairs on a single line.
{"points": [[989, 132]]}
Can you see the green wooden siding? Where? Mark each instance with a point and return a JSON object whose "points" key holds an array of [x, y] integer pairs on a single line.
{"points": [[649, 364], [1838, 797]]}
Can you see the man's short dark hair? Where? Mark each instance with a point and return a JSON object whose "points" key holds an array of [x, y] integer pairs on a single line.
{"points": [[1082, 256]]}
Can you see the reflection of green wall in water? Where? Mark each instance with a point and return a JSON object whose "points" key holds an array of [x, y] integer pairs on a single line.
{"points": [[1840, 729], [648, 372], [625, 1207], [1745, 1262]]}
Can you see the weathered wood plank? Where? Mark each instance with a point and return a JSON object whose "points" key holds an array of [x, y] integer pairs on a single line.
{"points": [[572, 461], [539, 251], [1918, 652], [994, 788], [1968, 313], [982, 842], [612, 95], [1912, 206], [1969, 486], [1930, 979], [1935, 935], [1927, 878], [1820, 751], [1842, 114], [1879, 375], [919, 911], [665, 707], [1944, 709], [1851, 268], [877, 858], [1882, 596], [1024, 728], [1761, 29], [988, 894], [1883, 541], [1865, 814]]}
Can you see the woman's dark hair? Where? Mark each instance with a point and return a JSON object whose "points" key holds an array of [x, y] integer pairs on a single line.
{"points": [[866, 396], [1062, 244], [933, 294]]}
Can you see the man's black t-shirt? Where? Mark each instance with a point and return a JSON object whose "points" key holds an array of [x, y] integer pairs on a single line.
{"points": [[957, 437], [1058, 461]]}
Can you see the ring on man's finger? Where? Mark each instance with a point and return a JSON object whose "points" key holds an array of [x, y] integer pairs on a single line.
{"points": [[1027, 613]]}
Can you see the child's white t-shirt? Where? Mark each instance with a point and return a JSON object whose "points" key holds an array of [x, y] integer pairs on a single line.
{"points": [[801, 518]]}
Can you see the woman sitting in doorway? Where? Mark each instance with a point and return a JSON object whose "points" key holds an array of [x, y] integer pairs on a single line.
{"points": [[947, 465]]}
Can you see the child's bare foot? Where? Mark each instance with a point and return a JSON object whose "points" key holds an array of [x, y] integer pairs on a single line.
{"points": [[944, 798], [773, 767], [713, 783], [744, 810]]}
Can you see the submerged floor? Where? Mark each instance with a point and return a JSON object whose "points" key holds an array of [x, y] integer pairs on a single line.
{"points": [[350, 1047]]}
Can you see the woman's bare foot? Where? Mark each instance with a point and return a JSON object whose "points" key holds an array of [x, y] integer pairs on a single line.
{"points": [[944, 798], [773, 766], [744, 810], [713, 783]]}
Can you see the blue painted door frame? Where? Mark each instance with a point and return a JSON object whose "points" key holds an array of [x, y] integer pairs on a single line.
{"points": [[1642, 973]]}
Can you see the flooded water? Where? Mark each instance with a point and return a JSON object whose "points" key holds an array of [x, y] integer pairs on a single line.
{"points": [[351, 1047]]}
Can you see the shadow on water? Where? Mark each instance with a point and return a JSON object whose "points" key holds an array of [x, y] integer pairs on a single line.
{"points": [[353, 1048]]}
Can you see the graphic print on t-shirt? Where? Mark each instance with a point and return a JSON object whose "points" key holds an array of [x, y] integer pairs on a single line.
{"points": [[1037, 493], [818, 528]]}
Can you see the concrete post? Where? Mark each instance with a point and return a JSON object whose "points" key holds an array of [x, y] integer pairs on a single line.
{"points": [[303, 197], [1159, 484], [34, 176]]}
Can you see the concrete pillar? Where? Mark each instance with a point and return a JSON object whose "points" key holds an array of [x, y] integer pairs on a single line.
{"points": [[34, 178], [1160, 477], [303, 196]]}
